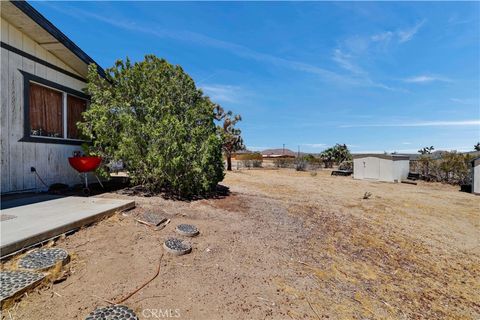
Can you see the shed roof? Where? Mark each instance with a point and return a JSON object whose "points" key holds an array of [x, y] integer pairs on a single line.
{"points": [[28, 20], [394, 157]]}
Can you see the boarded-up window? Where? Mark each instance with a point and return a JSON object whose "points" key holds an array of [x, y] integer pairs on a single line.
{"points": [[75, 107], [46, 108]]}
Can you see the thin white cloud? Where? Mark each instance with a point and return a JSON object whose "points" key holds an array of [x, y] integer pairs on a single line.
{"points": [[382, 36], [456, 20], [314, 145], [426, 79], [345, 61], [353, 49], [461, 123], [407, 34], [406, 143], [360, 76], [465, 101], [223, 93], [233, 48]]}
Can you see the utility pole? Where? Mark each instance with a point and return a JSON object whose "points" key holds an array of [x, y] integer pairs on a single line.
{"points": [[283, 150]]}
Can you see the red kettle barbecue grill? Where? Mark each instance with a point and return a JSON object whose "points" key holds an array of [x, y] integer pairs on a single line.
{"points": [[84, 165]]}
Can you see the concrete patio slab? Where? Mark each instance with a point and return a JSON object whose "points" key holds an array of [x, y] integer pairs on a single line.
{"points": [[34, 223]]}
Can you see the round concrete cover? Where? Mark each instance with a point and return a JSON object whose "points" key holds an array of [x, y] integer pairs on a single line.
{"points": [[42, 258], [177, 246], [117, 312], [15, 280], [187, 230]]}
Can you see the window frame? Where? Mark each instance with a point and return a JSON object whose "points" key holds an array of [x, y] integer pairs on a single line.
{"points": [[27, 137]]}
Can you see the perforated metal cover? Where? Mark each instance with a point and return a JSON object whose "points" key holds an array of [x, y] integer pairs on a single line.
{"points": [[177, 246], [117, 312], [42, 258], [188, 230]]}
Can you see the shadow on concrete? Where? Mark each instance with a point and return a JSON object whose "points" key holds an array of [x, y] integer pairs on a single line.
{"points": [[58, 191], [23, 199]]}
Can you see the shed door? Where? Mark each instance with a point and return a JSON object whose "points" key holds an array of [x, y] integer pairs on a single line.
{"points": [[372, 168]]}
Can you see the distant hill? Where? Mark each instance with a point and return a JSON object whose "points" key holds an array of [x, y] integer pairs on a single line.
{"points": [[278, 152]]}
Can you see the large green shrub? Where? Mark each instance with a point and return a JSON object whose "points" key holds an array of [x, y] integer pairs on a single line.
{"points": [[151, 116]]}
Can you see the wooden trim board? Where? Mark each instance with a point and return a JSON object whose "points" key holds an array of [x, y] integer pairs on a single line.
{"points": [[24, 54]]}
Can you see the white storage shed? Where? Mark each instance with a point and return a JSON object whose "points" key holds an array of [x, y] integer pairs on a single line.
{"points": [[476, 176], [381, 167]]}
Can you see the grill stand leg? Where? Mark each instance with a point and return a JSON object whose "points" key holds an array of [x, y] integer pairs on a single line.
{"points": [[99, 181], [86, 190]]}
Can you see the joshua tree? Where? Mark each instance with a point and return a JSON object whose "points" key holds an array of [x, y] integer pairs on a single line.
{"points": [[337, 153], [327, 157], [426, 150], [477, 146], [231, 136], [341, 153]]}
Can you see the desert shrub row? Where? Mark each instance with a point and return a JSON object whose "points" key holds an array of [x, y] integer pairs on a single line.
{"points": [[452, 168]]}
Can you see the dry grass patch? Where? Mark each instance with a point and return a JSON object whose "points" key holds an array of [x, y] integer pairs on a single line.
{"points": [[366, 269]]}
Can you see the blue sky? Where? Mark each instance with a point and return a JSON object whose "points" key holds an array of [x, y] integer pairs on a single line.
{"points": [[378, 76]]}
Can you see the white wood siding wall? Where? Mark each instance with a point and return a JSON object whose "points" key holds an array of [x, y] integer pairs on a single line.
{"points": [[50, 160], [476, 177]]}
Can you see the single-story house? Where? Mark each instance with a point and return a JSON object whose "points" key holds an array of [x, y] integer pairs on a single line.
{"points": [[278, 153], [476, 176], [381, 167], [42, 81]]}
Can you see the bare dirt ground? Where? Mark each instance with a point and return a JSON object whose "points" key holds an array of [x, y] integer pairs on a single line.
{"points": [[283, 245]]}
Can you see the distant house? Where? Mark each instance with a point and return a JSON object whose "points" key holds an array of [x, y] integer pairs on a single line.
{"points": [[381, 167], [476, 175], [42, 81], [278, 153]]}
